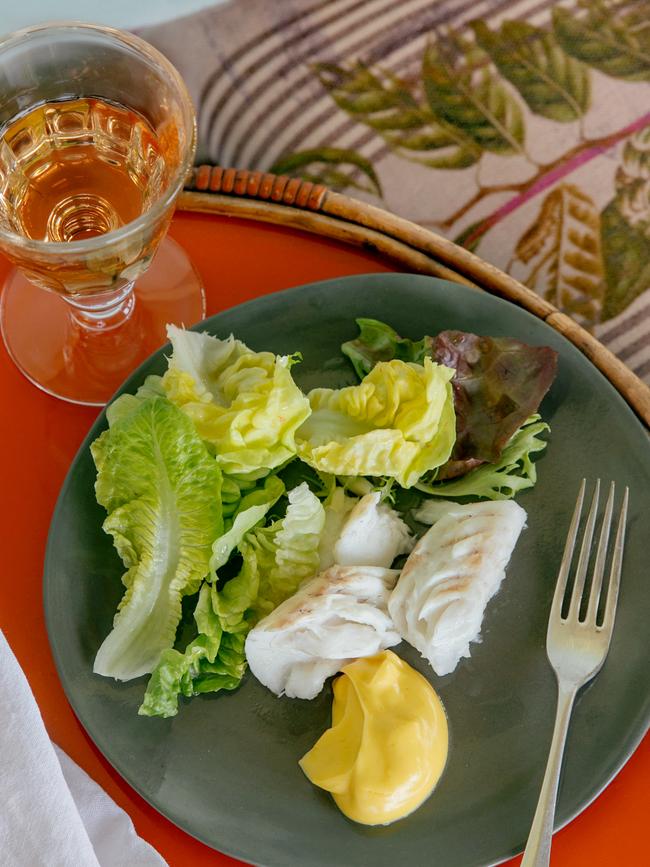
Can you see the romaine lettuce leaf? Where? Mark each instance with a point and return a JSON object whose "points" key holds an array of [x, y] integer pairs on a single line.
{"points": [[514, 471], [398, 422], [228, 668], [214, 660], [275, 560], [235, 602], [128, 403], [244, 403], [231, 495], [161, 489]]}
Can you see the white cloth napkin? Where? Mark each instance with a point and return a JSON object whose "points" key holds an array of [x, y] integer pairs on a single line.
{"points": [[51, 813]]}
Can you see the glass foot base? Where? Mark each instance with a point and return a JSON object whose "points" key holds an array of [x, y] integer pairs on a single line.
{"points": [[82, 366]]}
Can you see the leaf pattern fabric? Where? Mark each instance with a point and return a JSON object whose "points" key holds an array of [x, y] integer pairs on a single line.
{"points": [[521, 131], [466, 95], [551, 82], [562, 249], [608, 37]]}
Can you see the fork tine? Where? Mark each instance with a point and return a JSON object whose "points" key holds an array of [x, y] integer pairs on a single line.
{"points": [[560, 587], [601, 555], [583, 560], [615, 573]]}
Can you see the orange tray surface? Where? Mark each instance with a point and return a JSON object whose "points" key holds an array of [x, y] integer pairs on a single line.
{"points": [[39, 435]]}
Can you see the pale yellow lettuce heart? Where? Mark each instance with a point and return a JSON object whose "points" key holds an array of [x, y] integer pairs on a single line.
{"points": [[244, 403], [398, 422]]}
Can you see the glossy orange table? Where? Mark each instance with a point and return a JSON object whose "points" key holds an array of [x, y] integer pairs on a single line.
{"points": [[39, 436]]}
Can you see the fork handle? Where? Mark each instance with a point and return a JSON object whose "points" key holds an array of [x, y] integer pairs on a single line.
{"points": [[538, 847]]}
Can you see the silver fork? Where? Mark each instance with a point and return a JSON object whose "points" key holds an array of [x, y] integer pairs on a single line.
{"points": [[576, 648]]}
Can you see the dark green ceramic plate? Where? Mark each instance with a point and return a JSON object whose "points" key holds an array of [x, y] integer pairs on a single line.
{"points": [[226, 768]]}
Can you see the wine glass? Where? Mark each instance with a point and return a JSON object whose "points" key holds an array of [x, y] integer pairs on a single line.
{"points": [[97, 135]]}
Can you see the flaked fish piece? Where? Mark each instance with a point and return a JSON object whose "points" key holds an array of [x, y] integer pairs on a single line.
{"points": [[368, 533], [335, 617], [451, 575], [373, 535]]}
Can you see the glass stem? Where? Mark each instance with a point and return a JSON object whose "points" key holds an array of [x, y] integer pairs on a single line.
{"points": [[105, 311]]}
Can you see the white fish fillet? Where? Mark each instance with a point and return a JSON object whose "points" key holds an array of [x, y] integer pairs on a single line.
{"points": [[337, 510], [451, 575], [335, 617], [373, 535], [368, 534]]}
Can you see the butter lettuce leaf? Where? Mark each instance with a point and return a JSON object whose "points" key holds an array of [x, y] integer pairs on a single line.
{"points": [[244, 403], [513, 472], [161, 489], [398, 422], [499, 382]]}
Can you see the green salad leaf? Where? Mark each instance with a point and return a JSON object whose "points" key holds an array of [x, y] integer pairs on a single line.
{"points": [[234, 488], [228, 668], [128, 403], [244, 403], [214, 660], [161, 489], [275, 560], [379, 342], [498, 383], [288, 549], [252, 509], [514, 471], [398, 422]]}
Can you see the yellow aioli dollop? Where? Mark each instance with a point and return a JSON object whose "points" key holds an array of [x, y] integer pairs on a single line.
{"points": [[387, 746]]}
